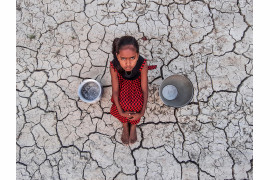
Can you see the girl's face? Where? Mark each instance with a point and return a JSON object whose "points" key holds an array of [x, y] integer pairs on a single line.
{"points": [[127, 58]]}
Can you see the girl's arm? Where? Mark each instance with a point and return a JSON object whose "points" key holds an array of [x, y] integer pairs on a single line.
{"points": [[115, 90], [144, 85]]}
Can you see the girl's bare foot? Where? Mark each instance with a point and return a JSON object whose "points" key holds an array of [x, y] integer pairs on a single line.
{"points": [[133, 134], [125, 134]]}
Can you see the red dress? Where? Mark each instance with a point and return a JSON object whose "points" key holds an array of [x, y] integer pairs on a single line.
{"points": [[130, 95]]}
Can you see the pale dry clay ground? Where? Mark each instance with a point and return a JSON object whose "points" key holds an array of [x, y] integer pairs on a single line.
{"points": [[61, 43]]}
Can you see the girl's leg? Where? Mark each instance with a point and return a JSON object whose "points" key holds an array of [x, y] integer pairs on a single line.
{"points": [[125, 133], [133, 134]]}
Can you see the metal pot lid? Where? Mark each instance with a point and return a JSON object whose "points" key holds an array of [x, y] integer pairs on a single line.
{"points": [[184, 92]]}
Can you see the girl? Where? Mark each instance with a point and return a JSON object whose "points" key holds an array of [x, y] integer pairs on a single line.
{"points": [[129, 85]]}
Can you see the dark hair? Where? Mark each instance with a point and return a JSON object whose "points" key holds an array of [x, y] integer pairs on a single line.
{"points": [[118, 43]]}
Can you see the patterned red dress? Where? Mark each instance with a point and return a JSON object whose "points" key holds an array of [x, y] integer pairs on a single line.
{"points": [[130, 95]]}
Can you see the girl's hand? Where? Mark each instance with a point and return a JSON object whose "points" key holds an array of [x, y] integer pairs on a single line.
{"points": [[136, 116], [127, 114]]}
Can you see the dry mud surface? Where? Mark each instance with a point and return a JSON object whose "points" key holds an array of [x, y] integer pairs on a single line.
{"points": [[60, 43]]}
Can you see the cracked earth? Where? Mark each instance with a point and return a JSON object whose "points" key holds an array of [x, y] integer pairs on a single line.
{"points": [[60, 43]]}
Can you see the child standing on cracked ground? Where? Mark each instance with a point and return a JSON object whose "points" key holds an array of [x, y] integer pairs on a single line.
{"points": [[129, 85]]}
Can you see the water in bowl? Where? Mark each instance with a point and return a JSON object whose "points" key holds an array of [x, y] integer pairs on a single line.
{"points": [[90, 91]]}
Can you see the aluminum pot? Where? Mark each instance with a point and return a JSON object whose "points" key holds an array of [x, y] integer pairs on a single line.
{"points": [[178, 90]]}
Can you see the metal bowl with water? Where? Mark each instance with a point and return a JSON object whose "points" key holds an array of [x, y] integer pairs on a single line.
{"points": [[90, 91]]}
